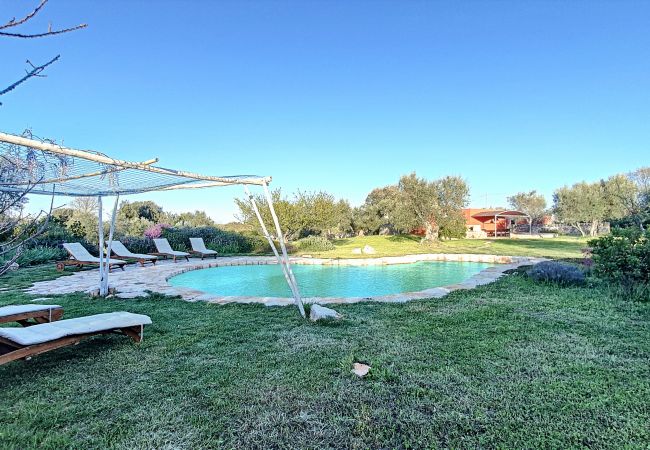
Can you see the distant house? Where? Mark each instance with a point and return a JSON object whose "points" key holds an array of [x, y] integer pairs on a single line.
{"points": [[483, 222]]}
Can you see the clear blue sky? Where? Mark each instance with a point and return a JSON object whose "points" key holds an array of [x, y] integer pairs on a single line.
{"points": [[344, 96]]}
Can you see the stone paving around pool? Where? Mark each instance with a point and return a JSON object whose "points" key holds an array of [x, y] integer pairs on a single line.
{"points": [[138, 281]]}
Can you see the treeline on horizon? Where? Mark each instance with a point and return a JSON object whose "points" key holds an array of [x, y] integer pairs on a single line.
{"points": [[430, 207]]}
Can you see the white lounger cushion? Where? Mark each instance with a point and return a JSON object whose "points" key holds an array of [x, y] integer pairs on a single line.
{"points": [[163, 247], [120, 250], [21, 309], [80, 253], [46, 332], [199, 246]]}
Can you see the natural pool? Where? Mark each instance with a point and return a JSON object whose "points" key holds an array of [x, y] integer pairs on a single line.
{"points": [[328, 280]]}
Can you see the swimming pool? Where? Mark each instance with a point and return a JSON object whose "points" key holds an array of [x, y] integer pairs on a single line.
{"points": [[328, 280]]}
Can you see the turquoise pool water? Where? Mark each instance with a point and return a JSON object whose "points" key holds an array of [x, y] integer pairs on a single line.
{"points": [[328, 280]]}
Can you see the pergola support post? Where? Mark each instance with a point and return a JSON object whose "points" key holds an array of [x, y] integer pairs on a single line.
{"points": [[267, 235], [105, 254], [109, 245], [292, 278], [100, 231]]}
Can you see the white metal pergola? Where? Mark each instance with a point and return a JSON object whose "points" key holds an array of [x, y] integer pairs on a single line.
{"points": [[50, 169]]}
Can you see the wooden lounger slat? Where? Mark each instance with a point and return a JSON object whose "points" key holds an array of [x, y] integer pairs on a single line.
{"points": [[28, 351], [33, 350], [42, 316]]}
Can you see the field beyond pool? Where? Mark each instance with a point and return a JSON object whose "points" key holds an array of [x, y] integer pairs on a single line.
{"points": [[560, 247], [513, 364]]}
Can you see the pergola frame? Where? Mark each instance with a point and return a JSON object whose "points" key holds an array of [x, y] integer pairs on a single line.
{"points": [[506, 214], [166, 179]]}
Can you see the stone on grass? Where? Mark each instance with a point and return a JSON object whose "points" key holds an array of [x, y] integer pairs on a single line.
{"points": [[318, 312], [13, 266], [368, 250], [356, 251], [95, 292], [360, 369]]}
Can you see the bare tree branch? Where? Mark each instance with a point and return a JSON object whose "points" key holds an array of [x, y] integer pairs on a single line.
{"points": [[32, 73], [50, 32], [35, 70], [13, 22]]}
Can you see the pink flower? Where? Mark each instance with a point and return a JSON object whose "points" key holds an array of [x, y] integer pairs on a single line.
{"points": [[155, 231]]}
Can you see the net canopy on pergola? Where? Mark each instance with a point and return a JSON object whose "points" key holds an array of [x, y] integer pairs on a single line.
{"points": [[46, 168]]}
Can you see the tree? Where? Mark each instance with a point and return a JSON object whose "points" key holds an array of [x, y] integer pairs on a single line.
{"points": [[88, 205], [193, 219], [306, 214], [630, 194], [7, 30], [453, 196], [435, 206], [19, 173], [581, 203], [531, 203], [378, 211], [147, 210]]}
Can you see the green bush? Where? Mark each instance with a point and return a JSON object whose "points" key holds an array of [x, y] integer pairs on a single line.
{"points": [[55, 235], [40, 255], [556, 272], [623, 259], [138, 244], [314, 244], [225, 242]]}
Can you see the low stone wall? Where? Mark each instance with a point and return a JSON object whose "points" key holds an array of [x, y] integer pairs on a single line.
{"points": [[137, 281]]}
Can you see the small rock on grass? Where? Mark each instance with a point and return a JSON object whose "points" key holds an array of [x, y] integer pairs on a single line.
{"points": [[318, 312], [369, 250], [360, 369]]}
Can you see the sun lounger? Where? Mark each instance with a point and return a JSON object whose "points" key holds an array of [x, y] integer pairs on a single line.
{"points": [[23, 313], [16, 343], [79, 256], [119, 250], [165, 250], [199, 248]]}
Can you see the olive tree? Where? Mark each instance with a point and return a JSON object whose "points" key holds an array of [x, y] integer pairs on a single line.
{"points": [[586, 203], [531, 203], [307, 213], [434, 206], [630, 192]]}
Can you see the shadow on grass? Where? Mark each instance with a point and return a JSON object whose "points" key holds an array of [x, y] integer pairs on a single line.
{"points": [[404, 238], [548, 244]]}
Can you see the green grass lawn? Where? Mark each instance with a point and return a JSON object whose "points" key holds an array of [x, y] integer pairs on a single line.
{"points": [[510, 365], [560, 247]]}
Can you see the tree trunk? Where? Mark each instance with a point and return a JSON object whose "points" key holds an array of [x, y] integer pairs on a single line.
{"points": [[579, 228], [431, 233], [593, 231]]}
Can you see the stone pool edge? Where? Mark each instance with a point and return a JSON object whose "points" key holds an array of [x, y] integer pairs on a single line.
{"points": [[138, 281], [486, 276]]}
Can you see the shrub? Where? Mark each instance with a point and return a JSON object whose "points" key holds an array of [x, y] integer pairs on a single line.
{"points": [[156, 231], [138, 244], [54, 236], [214, 238], [315, 244], [623, 259], [556, 272], [40, 255]]}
